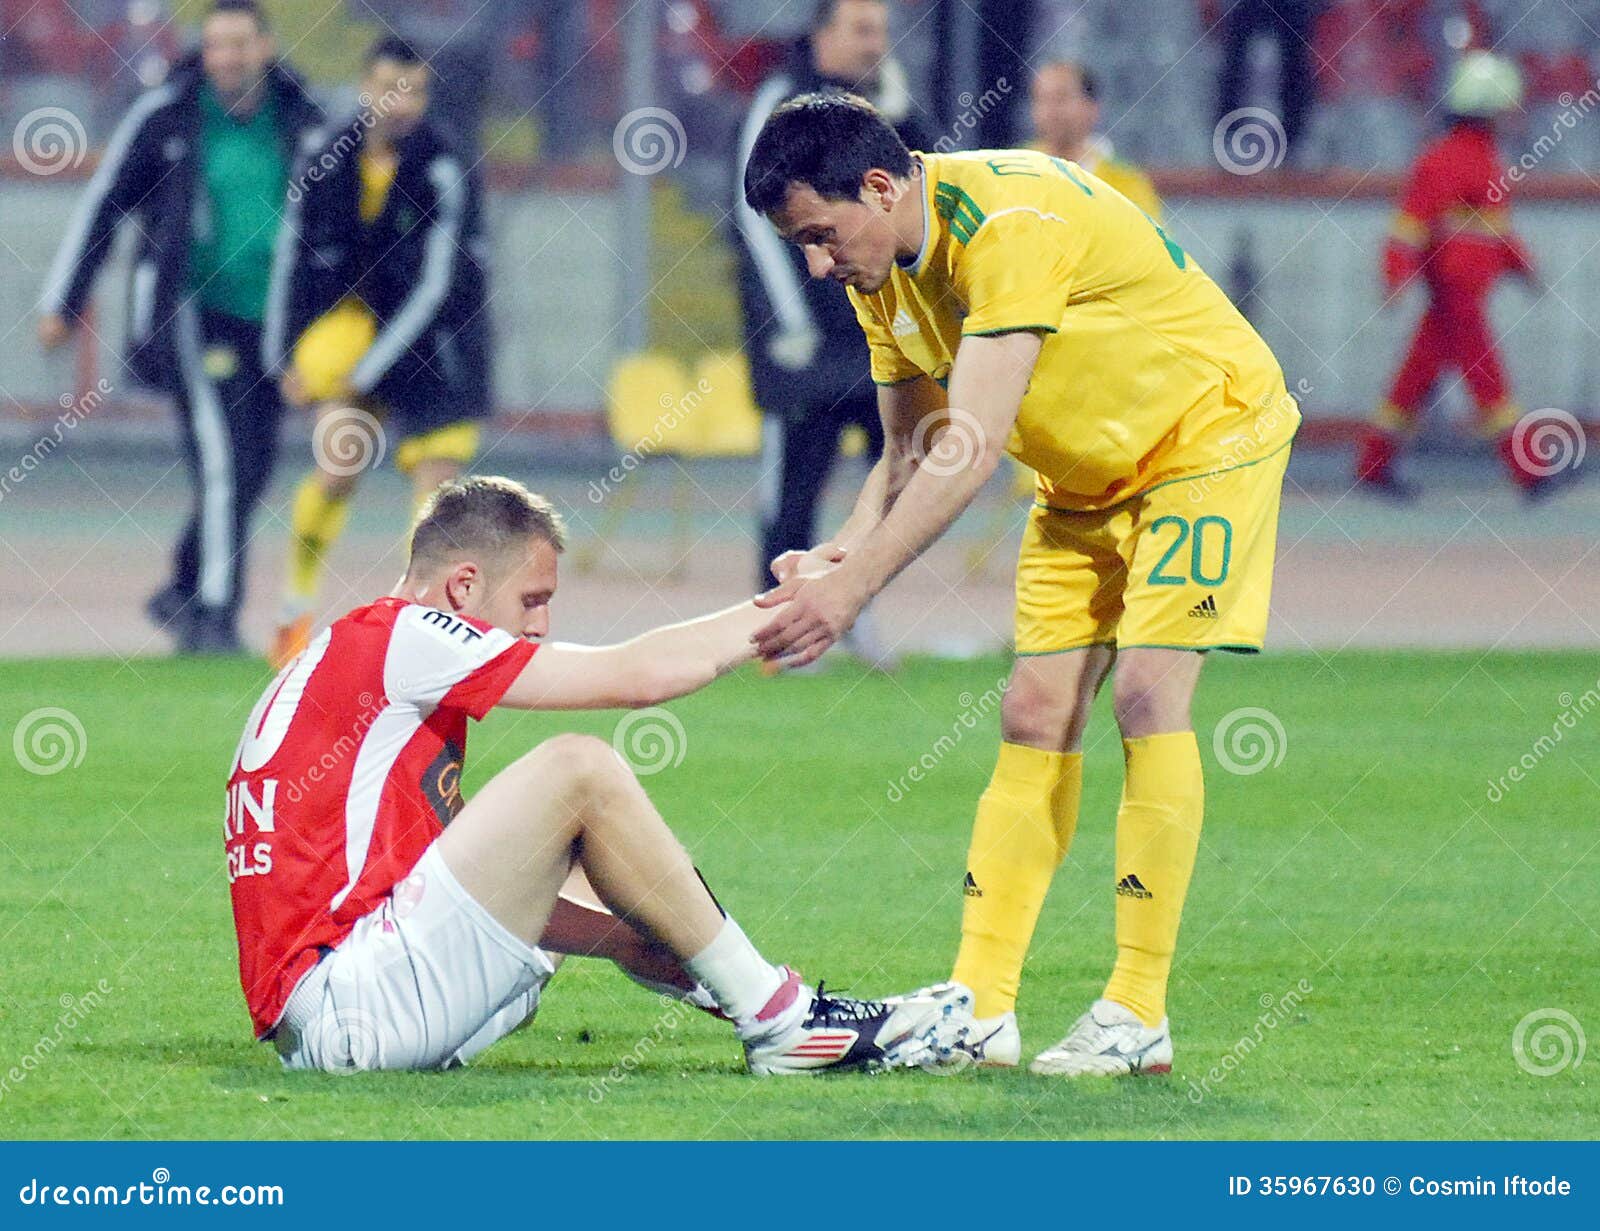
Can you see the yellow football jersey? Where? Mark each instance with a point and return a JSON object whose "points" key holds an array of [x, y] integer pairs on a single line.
{"points": [[1126, 178], [1131, 183], [1147, 372]]}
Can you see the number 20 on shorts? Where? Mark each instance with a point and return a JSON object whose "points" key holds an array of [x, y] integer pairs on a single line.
{"points": [[1200, 535]]}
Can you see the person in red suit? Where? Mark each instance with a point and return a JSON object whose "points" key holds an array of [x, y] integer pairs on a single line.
{"points": [[1453, 232]]}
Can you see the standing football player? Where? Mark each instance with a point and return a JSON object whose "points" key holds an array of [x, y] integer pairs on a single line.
{"points": [[1013, 302], [372, 936], [378, 302]]}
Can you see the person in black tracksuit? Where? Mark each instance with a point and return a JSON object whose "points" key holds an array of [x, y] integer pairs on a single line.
{"points": [[807, 354], [200, 166], [385, 228], [418, 266]]}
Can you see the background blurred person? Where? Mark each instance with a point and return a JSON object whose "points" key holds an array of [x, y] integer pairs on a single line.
{"points": [[1453, 231], [378, 309], [791, 320], [200, 167], [1289, 24], [1065, 108]]}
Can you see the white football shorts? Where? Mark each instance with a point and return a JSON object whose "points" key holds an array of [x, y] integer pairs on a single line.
{"points": [[426, 981]]}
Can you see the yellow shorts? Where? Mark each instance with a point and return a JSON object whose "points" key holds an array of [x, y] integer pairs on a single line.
{"points": [[454, 442], [328, 352], [331, 347], [1185, 565]]}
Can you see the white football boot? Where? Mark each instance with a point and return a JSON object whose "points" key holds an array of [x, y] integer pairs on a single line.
{"points": [[810, 1031], [1108, 1041], [992, 1042], [996, 1041]]}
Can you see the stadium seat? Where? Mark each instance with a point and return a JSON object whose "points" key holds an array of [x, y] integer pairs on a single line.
{"points": [[656, 407]]}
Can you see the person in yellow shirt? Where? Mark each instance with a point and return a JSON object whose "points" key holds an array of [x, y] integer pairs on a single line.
{"points": [[377, 311], [1013, 303], [1065, 107]]}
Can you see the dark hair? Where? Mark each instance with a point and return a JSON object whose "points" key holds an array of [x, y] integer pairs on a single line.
{"points": [[1086, 79], [392, 47], [481, 514], [249, 7], [827, 141]]}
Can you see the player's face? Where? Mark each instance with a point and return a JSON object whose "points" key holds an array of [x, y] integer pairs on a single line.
{"points": [[848, 241], [1063, 115], [234, 52], [853, 44], [395, 95], [517, 596]]}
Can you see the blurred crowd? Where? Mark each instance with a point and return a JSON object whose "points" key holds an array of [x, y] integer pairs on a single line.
{"points": [[1349, 80]]}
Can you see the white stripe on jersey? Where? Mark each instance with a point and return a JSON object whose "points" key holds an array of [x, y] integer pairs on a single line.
{"points": [[381, 746], [429, 653]]}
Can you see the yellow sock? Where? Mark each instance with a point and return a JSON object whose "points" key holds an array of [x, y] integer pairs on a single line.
{"points": [[1024, 826], [1158, 836], [316, 522]]}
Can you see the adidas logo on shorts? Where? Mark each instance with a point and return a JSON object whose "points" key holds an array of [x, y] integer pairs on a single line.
{"points": [[1205, 609], [1131, 887]]}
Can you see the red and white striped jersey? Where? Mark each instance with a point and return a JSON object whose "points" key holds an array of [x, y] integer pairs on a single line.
{"points": [[349, 767]]}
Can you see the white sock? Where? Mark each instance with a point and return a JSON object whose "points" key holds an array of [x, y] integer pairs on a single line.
{"points": [[739, 979]]}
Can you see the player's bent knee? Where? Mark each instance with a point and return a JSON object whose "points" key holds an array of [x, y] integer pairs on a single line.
{"points": [[572, 763], [1152, 695], [1038, 714]]}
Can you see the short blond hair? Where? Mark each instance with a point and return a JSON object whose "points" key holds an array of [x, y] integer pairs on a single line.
{"points": [[481, 515]]}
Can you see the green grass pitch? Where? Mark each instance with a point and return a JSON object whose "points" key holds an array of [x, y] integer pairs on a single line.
{"points": [[1365, 933]]}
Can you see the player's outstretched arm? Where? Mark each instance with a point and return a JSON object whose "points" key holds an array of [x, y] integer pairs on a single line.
{"points": [[901, 407], [986, 388], [653, 667], [987, 384]]}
